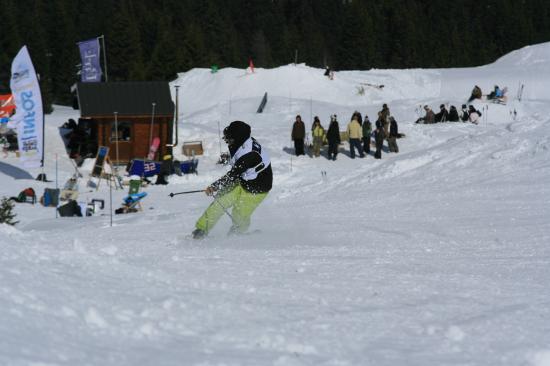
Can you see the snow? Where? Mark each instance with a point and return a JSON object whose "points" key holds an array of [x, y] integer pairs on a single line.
{"points": [[437, 255]]}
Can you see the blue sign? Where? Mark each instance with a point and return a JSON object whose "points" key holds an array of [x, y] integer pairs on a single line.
{"points": [[148, 168], [89, 55]]}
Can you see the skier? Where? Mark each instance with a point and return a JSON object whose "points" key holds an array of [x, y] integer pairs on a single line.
{"points": [[243, 188]]}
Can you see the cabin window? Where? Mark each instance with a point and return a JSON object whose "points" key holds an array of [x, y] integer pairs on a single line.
{"points": [[124, 131]]}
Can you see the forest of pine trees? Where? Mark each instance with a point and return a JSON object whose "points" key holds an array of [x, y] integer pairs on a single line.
{"points": [[155, 39]]}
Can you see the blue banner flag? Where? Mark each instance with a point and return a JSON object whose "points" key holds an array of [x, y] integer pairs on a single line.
{"points": [[89, 54]]}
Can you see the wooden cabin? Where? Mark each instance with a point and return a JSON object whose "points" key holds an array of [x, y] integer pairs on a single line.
{"points": [[143, 110]]}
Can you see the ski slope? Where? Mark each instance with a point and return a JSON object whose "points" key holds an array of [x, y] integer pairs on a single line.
{"points": [[438, 255]]}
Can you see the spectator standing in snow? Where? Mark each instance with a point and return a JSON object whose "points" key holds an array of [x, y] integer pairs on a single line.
{"points": [[357, 116], [474, 115], [394, 133], [333, 137], [298, 135], [355, 136], [443, 114], [464, 114], [318, 133], [367, 130], [386, 118], [379, 140], [453, 114]]}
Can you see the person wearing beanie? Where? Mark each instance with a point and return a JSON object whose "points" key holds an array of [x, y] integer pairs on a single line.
{"points": [[243, 188]]}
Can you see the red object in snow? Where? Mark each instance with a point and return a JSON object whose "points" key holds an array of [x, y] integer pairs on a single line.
{"points": [[251, 65]]}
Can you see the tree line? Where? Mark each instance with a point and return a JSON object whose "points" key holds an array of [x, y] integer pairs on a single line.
{"points": [[155, 39]]}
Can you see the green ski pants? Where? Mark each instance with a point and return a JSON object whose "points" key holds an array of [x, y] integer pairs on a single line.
{"points": [[243, 203]]}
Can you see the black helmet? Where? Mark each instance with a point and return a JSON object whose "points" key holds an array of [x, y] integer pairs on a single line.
{"points": [[236, 133]]}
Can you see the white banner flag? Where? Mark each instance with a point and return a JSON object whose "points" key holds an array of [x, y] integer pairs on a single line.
{"points": [[28, 109]]}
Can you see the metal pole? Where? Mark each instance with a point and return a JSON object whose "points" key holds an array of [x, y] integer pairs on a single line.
{"points": [[152, 121], [111, 201], [296, 57], [104, 57], [116, 140], [177, 113], [311, 109]]}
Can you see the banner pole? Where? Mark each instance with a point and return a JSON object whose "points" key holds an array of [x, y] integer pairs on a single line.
{"points": [[116, 141], [104, 57], [177, 114]]}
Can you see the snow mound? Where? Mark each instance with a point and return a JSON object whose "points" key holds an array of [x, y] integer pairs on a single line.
{"points": [[526, 56]]}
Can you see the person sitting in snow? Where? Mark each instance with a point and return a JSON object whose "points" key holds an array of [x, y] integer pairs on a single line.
{"points": [[476, 94], [443, 114], [474, 115], [328, 72], [496, 93], [453, 114], [428, 118], [464, 114], [243, 188]]}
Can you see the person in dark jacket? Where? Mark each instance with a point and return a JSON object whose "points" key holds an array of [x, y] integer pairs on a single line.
{"points": [[298, 135], [243, 188], [443, 115], [333, 138], [453, 114], [379, 136], [367, 130], [394, 133], [464, 114]]}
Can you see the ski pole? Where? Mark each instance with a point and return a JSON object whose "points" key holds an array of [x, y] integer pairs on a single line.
{"points": [[224, 209], [186, 192]]}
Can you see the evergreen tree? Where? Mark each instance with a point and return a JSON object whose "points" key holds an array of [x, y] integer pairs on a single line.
{"points": [[124, 45], [6, 212]]}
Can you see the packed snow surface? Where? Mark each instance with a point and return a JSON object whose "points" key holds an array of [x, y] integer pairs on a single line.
{"points": [[437, 255]]}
